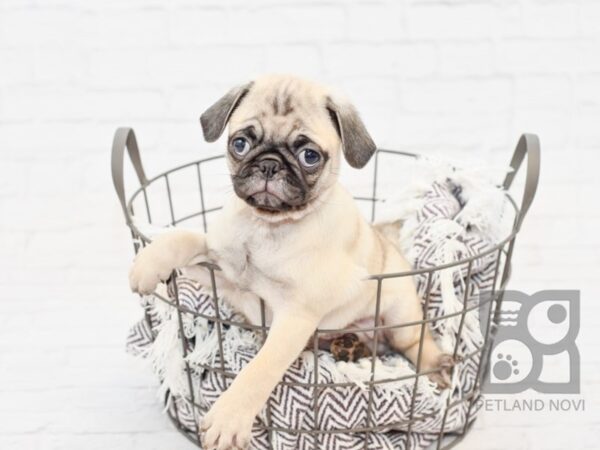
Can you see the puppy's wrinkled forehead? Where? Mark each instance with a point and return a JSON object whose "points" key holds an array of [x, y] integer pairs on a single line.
{"points": [[281, 108]]}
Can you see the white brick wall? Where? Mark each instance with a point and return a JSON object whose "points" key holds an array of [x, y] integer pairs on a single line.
{"points": [[458, 77]]}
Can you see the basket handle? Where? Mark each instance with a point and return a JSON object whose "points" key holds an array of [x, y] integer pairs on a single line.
{"points": [[529, 144], [125, 139]]}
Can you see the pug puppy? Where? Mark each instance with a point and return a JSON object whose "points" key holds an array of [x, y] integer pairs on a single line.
{"points": [[293, 236]]}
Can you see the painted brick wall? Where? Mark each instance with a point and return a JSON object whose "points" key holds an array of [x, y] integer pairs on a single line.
{"points": [[459, 78]]}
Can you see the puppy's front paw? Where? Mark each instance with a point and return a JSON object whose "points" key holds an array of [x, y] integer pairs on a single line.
{"points": [[149, 268], [226, 427], [445, 365]]}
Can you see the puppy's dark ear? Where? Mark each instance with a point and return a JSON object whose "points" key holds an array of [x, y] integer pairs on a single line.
{"points": [[357, 144], [214, 119]]}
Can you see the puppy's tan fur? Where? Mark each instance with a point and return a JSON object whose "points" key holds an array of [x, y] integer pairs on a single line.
{"points": [[308, 261]]}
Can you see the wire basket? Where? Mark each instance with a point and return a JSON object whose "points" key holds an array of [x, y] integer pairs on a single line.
{"points": [[174, 213]]}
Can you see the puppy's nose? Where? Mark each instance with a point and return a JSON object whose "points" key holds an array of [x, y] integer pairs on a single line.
{"points": [[269, 167]]}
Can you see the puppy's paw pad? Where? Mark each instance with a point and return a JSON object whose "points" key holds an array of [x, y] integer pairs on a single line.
{"points": [[348, 348]]}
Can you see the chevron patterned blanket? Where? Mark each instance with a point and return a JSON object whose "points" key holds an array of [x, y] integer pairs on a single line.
{"points": [[435, 232]]}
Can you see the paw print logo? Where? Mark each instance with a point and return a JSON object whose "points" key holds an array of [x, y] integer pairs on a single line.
{"points": [[533, 332], [511, 363], [505, 367]]}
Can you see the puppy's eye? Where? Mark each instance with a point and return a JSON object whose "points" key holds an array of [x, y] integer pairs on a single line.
{"points": [[240, 146], [309, 157]]}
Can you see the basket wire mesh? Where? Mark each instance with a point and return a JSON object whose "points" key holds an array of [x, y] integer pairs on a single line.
{"points": [[502, 252]]}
